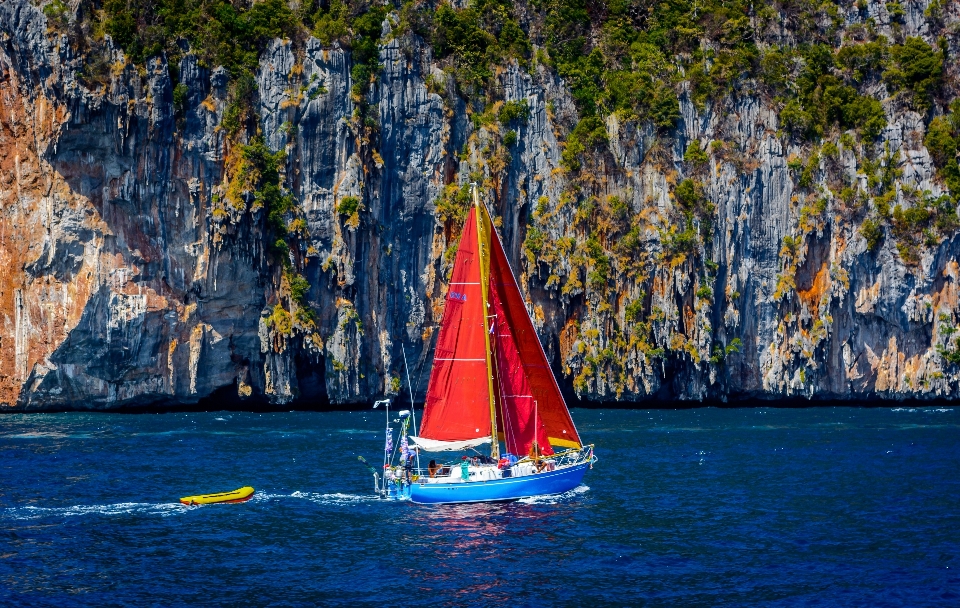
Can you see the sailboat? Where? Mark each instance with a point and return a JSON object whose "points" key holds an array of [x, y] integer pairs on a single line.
{"points": [[491, 383]]}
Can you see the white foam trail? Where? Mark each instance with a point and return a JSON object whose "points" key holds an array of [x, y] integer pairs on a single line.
{"points": [[43, 435], [924, 409], [122, 508], [555, 498], [336, 498], [318, 498]]}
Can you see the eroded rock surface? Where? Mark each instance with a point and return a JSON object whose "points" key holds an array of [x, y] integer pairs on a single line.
{"points": [[125, 279]]}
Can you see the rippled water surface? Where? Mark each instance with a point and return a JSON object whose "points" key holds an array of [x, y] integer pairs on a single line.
{"points": [[832, 506]]}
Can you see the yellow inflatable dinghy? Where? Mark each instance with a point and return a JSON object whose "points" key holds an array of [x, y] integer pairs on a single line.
{"points": [[242, 495]]}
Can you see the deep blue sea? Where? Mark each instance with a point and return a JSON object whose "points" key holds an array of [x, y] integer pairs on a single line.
{"points": [[701, 507]]}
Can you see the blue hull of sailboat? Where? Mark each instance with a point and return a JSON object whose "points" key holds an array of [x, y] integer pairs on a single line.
{"points": [[511, 488]]}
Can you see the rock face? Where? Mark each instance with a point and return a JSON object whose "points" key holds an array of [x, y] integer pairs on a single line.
{"points": [[126, 280]]}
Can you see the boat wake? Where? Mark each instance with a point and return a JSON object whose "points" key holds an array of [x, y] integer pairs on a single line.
{"points": [[172, 508], [929, 410], [122, 508], [556, 498], [336, 498]]}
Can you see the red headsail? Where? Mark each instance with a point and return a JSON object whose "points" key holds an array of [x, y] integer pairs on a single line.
{"points": [[532, 406]]}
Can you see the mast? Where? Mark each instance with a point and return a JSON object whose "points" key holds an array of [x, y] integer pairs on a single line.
{"points": [[484, 229]]}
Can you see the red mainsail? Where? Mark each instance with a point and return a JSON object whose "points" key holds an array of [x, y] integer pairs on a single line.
{"points": [[457, 406]]}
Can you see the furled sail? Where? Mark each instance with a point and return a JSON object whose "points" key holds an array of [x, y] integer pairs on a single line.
{"points": [[532, 407], [430, 445], [457, 405]]}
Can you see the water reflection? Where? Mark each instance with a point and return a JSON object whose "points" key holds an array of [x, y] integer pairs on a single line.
{"points": [[474, 549]]}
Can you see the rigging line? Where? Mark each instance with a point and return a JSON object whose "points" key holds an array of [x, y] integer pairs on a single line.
{"points": [[406, 370], [419, 375], [413, 402]]}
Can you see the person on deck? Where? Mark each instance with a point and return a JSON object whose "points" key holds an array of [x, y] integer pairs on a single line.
{"points": [[536, 457], [407, 458], [432, 468]]}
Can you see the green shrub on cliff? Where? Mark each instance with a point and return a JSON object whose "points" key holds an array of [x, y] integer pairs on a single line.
{"points": [[514, 112], [916, 67], [940, 141], [280, 321], [258, 176], [695, 155], [219, 32], [332, 24], [453, 204], [823, 100], [600, 264], [348, 205], [366, 29], [692, 198], [943, 142], [586, 137], [633, 312], [624, 69], [58, 14], [865, 61], [476, 38], [923, 224]]}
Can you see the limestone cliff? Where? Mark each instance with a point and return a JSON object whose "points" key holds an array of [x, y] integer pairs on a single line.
{"points": [[136, 269]]}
